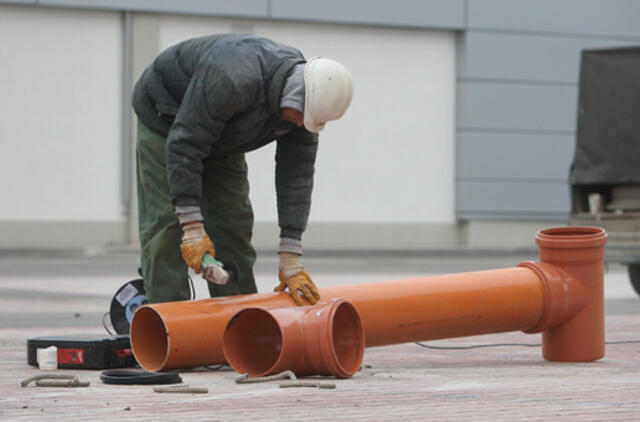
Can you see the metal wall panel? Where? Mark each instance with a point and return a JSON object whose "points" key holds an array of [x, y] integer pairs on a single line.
{"points": [[244, 8], [518, 70], [527, 57], [514, 157], [593, 17], [411, 13], [423, 13], [477, 199], [508, 106]]}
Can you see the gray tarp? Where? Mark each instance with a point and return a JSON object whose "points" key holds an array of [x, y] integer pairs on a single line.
{"points": [[608, 137]]}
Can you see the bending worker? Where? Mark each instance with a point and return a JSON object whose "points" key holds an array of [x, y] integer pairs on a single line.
{"points": [[201, 105]]}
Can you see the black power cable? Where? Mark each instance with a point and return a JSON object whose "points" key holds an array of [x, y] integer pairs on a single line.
{"points": [[192, 289], [478, 346], [104, 324]]}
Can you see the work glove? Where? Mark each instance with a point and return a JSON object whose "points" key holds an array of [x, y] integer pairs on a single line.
{"points": [[293, 277], [195, 244]]}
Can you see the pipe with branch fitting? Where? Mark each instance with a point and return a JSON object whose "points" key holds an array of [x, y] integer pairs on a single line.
{"points": [[561, 296]]}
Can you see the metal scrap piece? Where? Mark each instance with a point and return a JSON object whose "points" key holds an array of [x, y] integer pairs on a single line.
{"points": [[315, 384], [245, 379], [60, 380], [181, 389]]}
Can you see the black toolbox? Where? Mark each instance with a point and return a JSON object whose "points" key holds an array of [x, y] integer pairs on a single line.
{"points": [[85, 352]]}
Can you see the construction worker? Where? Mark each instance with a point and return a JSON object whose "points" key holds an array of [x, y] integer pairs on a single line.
{"points": [[201, 105]]}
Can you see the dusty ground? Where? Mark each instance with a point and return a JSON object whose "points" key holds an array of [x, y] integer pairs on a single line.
{"points": [[67, 293]]}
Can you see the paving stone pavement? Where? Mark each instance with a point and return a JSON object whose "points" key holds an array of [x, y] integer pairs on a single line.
{"points": [[401, 382]]}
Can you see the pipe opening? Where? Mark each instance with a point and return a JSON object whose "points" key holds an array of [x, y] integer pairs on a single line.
{"points": [[149, 340], [252, 342], [348, 338], [571, 237], [579, 231]]}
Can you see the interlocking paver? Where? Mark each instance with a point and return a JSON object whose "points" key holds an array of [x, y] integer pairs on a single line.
{"points": [[402, 382]]}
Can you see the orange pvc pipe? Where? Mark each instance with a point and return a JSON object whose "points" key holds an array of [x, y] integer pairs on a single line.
{"points": [[579, 251], [532, 297], [325, 339]]}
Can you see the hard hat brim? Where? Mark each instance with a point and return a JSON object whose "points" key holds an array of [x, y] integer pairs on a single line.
{"points": [[312, 126], [328, 92], [309, 123]]}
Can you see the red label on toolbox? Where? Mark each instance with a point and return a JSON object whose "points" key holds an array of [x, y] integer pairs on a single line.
{"points": [[71, 356]]}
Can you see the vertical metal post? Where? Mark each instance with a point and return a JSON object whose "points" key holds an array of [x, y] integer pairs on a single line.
{"points": [[141, 45], [126, 131]]}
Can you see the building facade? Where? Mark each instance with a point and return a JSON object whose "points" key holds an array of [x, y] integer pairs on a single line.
{"points": [[461, 131]]}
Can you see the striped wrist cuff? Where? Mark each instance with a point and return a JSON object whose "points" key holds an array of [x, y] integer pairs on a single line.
{"points": [[290, 245], [188, 214]]}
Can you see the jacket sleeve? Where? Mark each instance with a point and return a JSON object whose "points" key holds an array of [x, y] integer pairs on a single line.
{"points": [[209, 102], [295, 164]]}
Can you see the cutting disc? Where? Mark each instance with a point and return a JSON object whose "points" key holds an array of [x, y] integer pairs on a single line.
{"points": [[127, 299]]}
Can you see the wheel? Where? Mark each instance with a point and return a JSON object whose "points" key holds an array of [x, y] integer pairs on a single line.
{"points": [[634, 276]]}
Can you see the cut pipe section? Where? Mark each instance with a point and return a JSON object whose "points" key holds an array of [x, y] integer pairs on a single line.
{"points": [[561, 296], [325, 339]]}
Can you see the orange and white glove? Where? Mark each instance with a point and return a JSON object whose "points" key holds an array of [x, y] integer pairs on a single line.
{"points": [[195, 244], [294, 278]]}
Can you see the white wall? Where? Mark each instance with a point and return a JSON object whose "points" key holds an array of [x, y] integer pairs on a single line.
{"points": [[60, 111], [391, 158], [389, 161]]}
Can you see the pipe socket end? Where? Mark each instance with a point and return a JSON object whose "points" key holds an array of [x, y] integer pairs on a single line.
{"points": [[149, 340], [324, 339]]}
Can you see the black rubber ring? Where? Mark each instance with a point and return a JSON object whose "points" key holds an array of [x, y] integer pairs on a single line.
{"points": [[129, 377]]}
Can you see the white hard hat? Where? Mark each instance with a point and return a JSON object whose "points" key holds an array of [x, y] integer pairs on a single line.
{"points": [[328, 91]]}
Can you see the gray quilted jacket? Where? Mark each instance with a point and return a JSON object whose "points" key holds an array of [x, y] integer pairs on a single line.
{"points": [[220, 95]]}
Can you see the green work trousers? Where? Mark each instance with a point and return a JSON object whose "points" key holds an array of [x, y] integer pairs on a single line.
{"points": [[227, 213]]}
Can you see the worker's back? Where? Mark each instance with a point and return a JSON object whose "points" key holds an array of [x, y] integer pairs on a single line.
{"points": [[246, 62]]}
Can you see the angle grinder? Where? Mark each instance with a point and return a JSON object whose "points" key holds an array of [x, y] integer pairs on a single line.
{"points": [[131, 295], [216, 272]]}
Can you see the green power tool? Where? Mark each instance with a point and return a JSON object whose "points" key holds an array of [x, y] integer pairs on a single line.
{"points": [[131, 295], [216, 272]]}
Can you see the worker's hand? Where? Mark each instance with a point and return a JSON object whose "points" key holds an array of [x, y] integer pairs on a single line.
{"points": [[300, 282], [293, 277], [195, 244]]}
